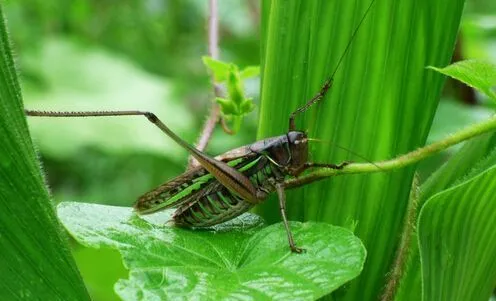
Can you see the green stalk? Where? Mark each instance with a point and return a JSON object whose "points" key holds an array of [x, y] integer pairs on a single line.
{"points": [[381, 105]]}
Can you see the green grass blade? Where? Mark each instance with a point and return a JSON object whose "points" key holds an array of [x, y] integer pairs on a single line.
{"points": [[35, 262], [381, 105]]}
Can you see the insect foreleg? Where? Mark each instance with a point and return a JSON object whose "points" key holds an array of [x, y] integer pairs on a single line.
{"points": [[319, 96], [309, 165], [282, 206]]}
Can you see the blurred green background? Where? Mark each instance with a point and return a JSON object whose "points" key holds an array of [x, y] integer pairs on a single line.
{"points": [[146, 55]]}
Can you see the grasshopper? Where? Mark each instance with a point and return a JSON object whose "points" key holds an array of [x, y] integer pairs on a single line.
{"points": [[223, 187]]}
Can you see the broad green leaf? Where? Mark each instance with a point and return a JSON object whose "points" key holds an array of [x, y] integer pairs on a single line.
{"points": [[477, 74], [381, 105], [238, 261], [35, 262], [458, 242], [475, 157]]}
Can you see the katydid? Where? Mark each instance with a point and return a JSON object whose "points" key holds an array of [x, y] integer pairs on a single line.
{"points": [[221, 188]]}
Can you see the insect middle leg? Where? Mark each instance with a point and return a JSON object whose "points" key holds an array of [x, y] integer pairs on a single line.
{"points": [[282, 206]]}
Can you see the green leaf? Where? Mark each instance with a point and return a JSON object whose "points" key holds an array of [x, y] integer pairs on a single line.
{"points": [[235, 86], [381, 105], [250, 71], [241, 259], [247, 105], [457, 241], [219, 69], [475, 157], [35, 262], [477, 74], [235, 105], [227, 106]]}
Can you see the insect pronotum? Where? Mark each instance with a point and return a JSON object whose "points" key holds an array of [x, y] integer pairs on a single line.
{"points": [[228, 185]]}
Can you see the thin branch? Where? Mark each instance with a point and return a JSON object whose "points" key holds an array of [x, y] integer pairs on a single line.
{"points": [[401, 258], [213, 51], [399, 162]]}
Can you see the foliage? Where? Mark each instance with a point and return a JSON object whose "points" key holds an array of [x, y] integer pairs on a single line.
{"points": [[243, 259], [381, 104], [477, 74], [235, 105]]}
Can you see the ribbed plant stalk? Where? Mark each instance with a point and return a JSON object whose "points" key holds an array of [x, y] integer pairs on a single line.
{"points": [[381, 105]]}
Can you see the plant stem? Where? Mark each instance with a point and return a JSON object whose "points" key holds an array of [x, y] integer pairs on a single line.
{"points": [[399, 162], [400, 260], [213, 51]]}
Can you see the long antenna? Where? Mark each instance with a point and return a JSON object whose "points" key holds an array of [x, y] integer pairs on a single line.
{"points": [[351, 40], [328, 83], [345, 149]]}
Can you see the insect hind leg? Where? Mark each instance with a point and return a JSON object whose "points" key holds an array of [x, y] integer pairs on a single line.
{"points": [[318, 97]]}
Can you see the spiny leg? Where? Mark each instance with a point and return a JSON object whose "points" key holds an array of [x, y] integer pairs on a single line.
{"points": [[326, 165], [309, 165], [225, 174], [282, 206]]}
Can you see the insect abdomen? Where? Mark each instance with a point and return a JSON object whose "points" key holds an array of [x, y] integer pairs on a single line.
{"points": [[212, 209], [220, 205]]}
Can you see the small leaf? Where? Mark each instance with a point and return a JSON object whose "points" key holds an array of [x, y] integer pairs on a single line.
{"points": [[477, 74], [247, 106], [227, 106], [218, 68], [235, 86], [167, 263], [250, 71]]}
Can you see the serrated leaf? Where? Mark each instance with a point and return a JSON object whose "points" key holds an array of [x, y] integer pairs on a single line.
{"points": [[457, 241], [218, 68], [168, 262], [250, 71], [477, 74]]}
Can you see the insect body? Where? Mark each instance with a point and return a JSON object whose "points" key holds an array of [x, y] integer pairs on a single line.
{"points": [[203, 201], [224, 187]]}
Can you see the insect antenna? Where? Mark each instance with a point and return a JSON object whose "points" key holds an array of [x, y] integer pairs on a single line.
{"points": [[345, 149], [328, 83]]}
